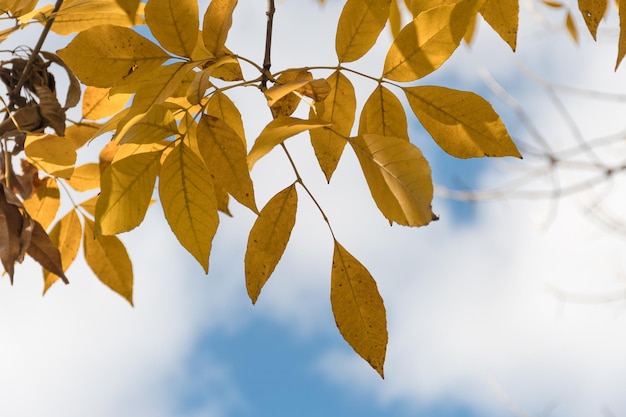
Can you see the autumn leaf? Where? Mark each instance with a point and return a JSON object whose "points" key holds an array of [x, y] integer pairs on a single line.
{"points": [[225, 157], [189, 202], [127, 187], [339, 108], [222, 107], [593, 11], [97, 103], [462, 123], [358, 308], [277, 131], [66, 236], [78, 15], [398, 177], [622, 33], [174, 23], [43, 205], [85, 177], [109, 261], [218, 19], [157, 124], [11, 226], [268, 239], [360, 23], [383, 114], [52, 154], [502, 16], [45, 252], [120, 50]]}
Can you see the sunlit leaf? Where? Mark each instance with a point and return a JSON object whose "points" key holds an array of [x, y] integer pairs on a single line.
{"points": [[66, 235], [358, 308], [78, 15], [287, 83], [226, 159], [268, 239], [127, 187], [80, 134], [109, 261], [217, 21], [53, 154], [130, 7], [398, 177], [189, 202], [97, 103], [222, 107], [502, 16], [593, 11], [383, 114], [462, 123], [339, 108], [395, 17], [43, 205], [174, 23], [429, 40], [157, 124], [85, 177], [360, 23], [103, 56], [276, 132]]}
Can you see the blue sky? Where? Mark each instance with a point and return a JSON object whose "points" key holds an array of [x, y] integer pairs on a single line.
{"points": [[473, 330]]}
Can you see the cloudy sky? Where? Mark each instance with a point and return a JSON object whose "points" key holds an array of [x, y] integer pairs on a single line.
{"points": [[511, 307]]}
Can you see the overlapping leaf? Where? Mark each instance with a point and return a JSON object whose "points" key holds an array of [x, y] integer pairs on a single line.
{"points": [[222, 107], [218, 19], [108, 259], [338, 108], [174, 23], [44, 203], [398, 177], [157, 124], [358, 308], [97, 103], [85, 177], [225, 157], [66, 236], [53, 154], [45, 252], [462, 123], [77, 15], [189, 202], [268, 239], [383, 114], [127, 187], [360, 23]]}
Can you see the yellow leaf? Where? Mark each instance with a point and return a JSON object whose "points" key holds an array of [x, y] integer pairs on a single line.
{"points": [[42, 206], [157, 124], [471, 31], [131, 7], [18, 8], [202, 80], [174, 23], [222, 107], [276, 132], [462, 123], [109, 261], [429, 40], [593, 11], [287, 83], [85, 177], [398, 177], [53, 154], [97, 103], [339, 108], [189, 202], [222, 198], [383, 114], [81, 133], [225, 157], [360, 23], [66, 235], [571, 27], [78, 15], [502, 16], [217, 21], [90, 205], [268, 239], [395, 18], [622, 33], [230, 70], [103, 56], [127, 186], [358, 308]]}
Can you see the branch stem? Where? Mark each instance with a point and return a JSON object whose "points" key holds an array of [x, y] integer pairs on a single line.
{"points": [[267, 60]]}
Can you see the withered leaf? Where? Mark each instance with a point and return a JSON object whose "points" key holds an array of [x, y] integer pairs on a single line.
{"points": [[50, 109], [42, 250]]}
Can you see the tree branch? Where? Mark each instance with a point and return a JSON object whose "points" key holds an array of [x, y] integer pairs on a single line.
{"points": [[267, 61]]}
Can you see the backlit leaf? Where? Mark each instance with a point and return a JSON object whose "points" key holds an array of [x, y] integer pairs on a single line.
{"points": [[130, 7], [109, 261], [85, 177], [462, 123], [53, 154], [593, 11], [395, 18], [429, 40], [103, 56], [287, 83], [174, 23], [622, 33], [358, 308], [66, 236], [222, 107], [502, 16], [276, 132], [398, 177], [226, 159], [339, 108], [80, 134], [45, 252], [157, 124], [43, 205], [360, 23], [78, 15], [383, 114], [217, 21], [268, 239], [97, 103], [127, 187], [189, 202]]}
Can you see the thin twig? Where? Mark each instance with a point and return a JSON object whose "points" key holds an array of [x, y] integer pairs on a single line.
{"points": [[267, 61], [35, 53]]}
